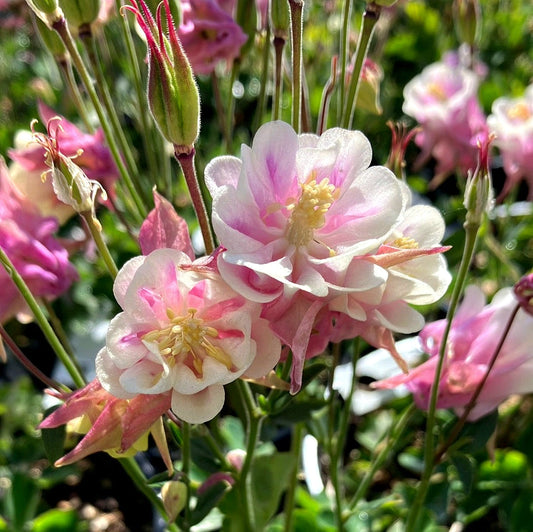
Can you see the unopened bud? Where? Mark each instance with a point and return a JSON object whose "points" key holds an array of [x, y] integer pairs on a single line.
{"points": [[280, 18], [51, 40], [174, 495], [369, 88], [523, 290], [80, 12], [479, 197], [235, 458], [172, 92], [467, 17]]}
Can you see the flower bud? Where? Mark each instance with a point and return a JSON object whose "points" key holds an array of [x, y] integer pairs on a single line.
{"points": [[467, 17], [523, 290], [479, 196], [172, 92], [47, 10], [280, 18], [174, 495], [80, 12], [51, 40], [368, 95]]}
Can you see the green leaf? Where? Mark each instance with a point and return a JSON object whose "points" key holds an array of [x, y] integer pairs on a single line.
{"points": [[56, 521], [23, 499], [232, 432], [465, 466]]}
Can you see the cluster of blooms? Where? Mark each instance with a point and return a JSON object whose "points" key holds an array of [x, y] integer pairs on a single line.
{"points": [[474, 336], [443, 100]]}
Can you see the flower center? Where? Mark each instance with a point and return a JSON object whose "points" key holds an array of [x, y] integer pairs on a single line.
{"points": [[519, 111], [436, 91], [186, 339], [405, 242], [309, 212]]}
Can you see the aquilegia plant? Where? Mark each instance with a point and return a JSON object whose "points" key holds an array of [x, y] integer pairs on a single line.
{"points": [[249, 254]]}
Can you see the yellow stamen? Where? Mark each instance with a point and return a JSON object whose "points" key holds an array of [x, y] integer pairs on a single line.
{"points": [[520, 111], [435, 90], [405, 242]]}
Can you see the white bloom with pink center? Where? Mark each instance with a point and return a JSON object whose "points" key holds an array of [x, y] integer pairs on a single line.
{"points": [[294, 210], [182, 330], [512, 123]]}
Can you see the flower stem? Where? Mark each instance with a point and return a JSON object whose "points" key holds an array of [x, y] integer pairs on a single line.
{"points": [[186, 161], [134, 471], [264, 79], [345, 31], [296, 446], [383, 450], [219, 106], [254, 420], [61, 27], [326, 97], [186, 469], [296, 7], [279, 44], [41, 320], [473, 400], [96, 234], [471, 231], [368, 23]]}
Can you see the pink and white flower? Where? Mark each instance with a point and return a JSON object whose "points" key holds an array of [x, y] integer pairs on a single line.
{"points": [[475, 333], [443, 100], [512, 123], [185, 330], [209, 34]]}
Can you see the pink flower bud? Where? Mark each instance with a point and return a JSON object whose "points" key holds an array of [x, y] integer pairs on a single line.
{"points": [[523, 290]]}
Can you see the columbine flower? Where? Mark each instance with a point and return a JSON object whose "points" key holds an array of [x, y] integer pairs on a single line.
{"points": [[209, 34], [475, 333], [294, 210], [182, 330], [443, 100], [512, 123], [27, 239], [89, 151], [117, 426]]}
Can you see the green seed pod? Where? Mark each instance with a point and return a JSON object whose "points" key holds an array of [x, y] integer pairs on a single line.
{"points": [[80, 12]]}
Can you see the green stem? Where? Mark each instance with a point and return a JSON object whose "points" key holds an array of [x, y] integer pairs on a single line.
{"points": [[326, 97], [296, 7], [345, 31], [382, 453], [264, 78], [368, 23], [296, 446], [186, 161], [186, 470], [219, 106], [279, 44], [41, 320], [61, 27], [231, 105], [96, 234], [65, 66], [473, 400], [254, 420], [471, 231], [134, 472]]}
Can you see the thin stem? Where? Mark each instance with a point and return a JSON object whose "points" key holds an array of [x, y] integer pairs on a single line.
{"points": [[296, 7], [254, 420], [279, 44], [186, 469], [96, 234], [41, 320], [471, 231], [296, 446], [326, 97], [63, 31], [345, 32], [28, 364], [383, 450], [186, 161], [134, 472], [219, 106], [65, 66], [264, 78], [368, 23], [231, 105], [475, 396]]}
